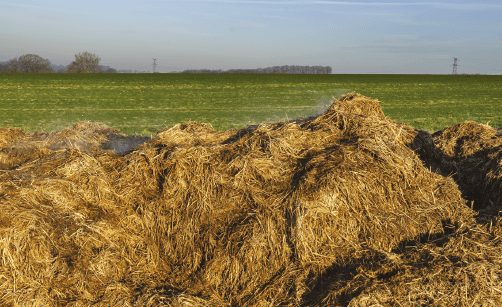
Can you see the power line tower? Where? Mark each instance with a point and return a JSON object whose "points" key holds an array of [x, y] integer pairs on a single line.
{"points": [[154, 64], [455, 66]]}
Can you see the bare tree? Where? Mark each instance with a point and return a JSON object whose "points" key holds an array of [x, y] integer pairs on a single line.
{"points": [[4, 67], [85, 63], [28, 63], [32, 63], [10, 67]]}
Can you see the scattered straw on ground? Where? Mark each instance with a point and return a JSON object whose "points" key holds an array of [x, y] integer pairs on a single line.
{"points": [[345, 209]]}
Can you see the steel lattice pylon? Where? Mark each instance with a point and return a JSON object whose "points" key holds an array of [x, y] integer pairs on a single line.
{"points": [[455, 66]]}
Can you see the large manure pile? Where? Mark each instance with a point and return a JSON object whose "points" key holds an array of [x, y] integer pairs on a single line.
{"points": [[345, 209]]}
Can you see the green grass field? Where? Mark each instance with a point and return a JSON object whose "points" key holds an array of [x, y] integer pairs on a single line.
{"points": [[145, 103]]}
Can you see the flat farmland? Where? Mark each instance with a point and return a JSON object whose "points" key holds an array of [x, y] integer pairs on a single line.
{"points": [[146, 103]]}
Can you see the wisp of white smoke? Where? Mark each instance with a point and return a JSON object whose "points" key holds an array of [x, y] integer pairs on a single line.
{"points": [[326, 98]]}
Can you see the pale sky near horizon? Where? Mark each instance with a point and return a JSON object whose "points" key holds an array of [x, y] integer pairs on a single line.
{"points": [[359, 37]]}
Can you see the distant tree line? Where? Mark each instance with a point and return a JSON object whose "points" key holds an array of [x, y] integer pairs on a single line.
{"points": [[89, 63], [286, 69], [31, 63]]}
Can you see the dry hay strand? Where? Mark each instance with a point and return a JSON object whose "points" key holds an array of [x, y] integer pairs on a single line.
{"points": [[17, 147], [60, 234], [9, 134], [358, 104], [192, 134], [492, 186], [459, 269], [466, 139], [254, 217], [82, 136], [316, 194], [472, 152]]}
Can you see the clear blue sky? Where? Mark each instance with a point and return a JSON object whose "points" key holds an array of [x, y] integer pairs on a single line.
{"points": [[350, 36]]}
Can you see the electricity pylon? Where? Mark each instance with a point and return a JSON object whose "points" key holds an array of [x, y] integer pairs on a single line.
{"points": [[455, 66], [154, 65]]}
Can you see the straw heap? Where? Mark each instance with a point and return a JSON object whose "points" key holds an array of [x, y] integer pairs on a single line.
{"points": [[349, 208]]}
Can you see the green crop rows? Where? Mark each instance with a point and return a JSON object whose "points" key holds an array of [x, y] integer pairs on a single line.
{"points": [[146, 103]]}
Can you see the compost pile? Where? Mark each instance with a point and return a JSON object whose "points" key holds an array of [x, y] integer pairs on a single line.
{"points": [[345, 209]]}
